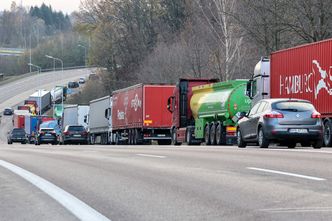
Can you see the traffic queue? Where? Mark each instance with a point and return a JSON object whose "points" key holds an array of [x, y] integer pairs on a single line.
{"points": [[287, 101]]}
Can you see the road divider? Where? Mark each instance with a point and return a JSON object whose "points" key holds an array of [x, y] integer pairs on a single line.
{"points": [[80, 209], [286, 173]]}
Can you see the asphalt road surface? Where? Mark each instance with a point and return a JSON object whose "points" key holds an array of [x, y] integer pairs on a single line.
{"points": [[13, 93], [168, 183]]}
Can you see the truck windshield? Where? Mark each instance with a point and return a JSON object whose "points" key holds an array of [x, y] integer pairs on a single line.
{"points": [[294, 106]]}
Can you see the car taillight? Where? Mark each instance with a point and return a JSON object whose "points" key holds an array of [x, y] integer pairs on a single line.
{"points": [[274, 114], [315, 114], [231, 131], [66, 133]]}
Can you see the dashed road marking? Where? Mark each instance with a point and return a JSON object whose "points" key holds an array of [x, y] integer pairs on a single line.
{"points": [[149, 155], [80, 209], [287, 173]]}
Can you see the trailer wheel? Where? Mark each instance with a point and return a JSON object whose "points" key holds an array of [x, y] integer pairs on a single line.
{"points": [[117, 139], [213, 134], [207, 134], [130, 137], [327, 133], [220, 136]]}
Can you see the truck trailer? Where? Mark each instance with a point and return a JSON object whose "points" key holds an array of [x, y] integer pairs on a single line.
{"points": [[205, 110], [302, 72], [75, 115], [139, 114], [100, 121], [43, 99]]}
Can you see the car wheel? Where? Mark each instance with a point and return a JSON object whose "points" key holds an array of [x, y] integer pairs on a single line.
{"points": [[240, 142], [207, 134], [262, 141], [327, 133], [9, 142], [318, 144], [291, 145]]}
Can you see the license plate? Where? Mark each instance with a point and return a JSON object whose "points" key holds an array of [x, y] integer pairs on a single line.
{"points": [[77, 135], [48, 135], [299, 131]]}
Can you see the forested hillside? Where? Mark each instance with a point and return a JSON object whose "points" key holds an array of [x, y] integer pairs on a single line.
{"points": [[162, 40]]}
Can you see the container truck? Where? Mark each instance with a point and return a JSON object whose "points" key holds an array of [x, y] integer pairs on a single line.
{"points": [[75, 115], [43, 99], [214, 108], [31, 127], [100, 121], [58, 94], [19, 118], [302, 72], [139, 114]]}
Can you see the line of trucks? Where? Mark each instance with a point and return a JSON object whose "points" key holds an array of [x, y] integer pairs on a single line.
{"points": [[204, 110]]}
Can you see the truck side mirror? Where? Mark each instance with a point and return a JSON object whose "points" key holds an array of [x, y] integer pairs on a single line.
{"points": [[248, 89]]}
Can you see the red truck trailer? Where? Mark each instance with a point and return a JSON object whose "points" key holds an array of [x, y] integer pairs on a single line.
{"points": [[303, 72], [139, 114], [19, 118]]}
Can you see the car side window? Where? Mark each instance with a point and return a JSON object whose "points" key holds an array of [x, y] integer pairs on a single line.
{"points": [[253, 110], [261, 107]]}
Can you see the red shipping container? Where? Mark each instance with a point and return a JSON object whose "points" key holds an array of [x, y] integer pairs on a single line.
{"points": [[142, 106], [19, 118], [304, 72]]}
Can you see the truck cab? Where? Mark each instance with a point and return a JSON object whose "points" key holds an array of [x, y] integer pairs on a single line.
{"points": [[258, 87], [178, 104]]}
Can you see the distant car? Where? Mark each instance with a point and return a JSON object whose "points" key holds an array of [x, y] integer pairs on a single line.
{"points": [[283, 121], [82, 80], [73, 84], [46, 136], [8, 111], [17, 135], [74, 134]]}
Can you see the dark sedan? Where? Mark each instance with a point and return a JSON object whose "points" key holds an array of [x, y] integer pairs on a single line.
{"points": [[74, 134], [17, 135], [283, 121]]}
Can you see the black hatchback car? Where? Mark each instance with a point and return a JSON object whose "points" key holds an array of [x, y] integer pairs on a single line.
{"points": [[283, 121], [46, 136], [17, 135], [8, 111]]}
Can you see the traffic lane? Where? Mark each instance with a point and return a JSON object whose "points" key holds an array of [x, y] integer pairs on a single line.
{"points": [[160, 190], [16, 92], [22, 201]]}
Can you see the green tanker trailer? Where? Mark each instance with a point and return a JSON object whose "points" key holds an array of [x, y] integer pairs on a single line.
{"points": [[214, 108]]}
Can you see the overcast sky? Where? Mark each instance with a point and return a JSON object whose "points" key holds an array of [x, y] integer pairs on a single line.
{"points": [[66, 6]]}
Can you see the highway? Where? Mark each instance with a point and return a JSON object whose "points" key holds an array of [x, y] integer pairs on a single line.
{"points": [[144, 183], [13, 93], [170, 183]]}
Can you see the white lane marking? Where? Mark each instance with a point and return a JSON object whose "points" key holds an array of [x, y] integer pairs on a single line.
{"points": [[80, 209], [149, 155], [301, 150], [298, 210], [287, 174]]}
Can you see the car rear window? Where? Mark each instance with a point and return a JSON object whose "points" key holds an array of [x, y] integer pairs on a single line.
{"points": [[294, 106], [18, 131], [76, 128]]}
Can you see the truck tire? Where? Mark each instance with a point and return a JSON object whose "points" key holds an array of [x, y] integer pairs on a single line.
{"points": [[262, 141], [130, 137], [240, 142], [212, 134], [135, 137], [327, 137], [189, 138], [220, 134], [174, 140], [207, 134], [117, 139]]}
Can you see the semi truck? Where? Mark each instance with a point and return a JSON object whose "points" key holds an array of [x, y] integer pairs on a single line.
{"points": [[205, 110], [302, 72], [100, 121], [31, 127], [75, 115], [43, 99], [139, 114]]}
